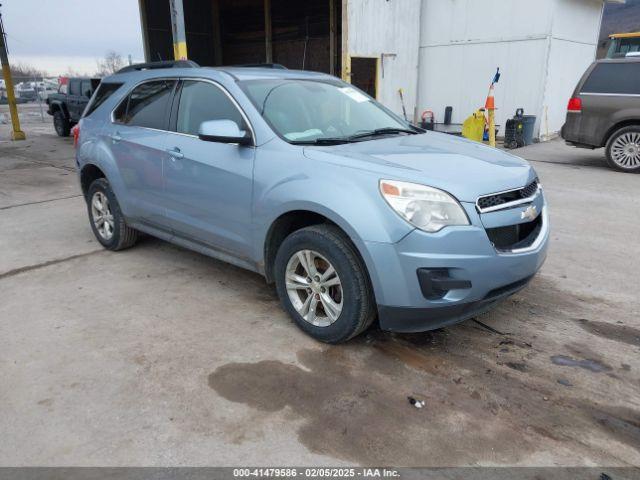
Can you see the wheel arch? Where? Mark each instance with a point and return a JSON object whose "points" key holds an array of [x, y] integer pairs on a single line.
{"points": [[619, 125], [88, 174], [294, 219], [60, 107]]}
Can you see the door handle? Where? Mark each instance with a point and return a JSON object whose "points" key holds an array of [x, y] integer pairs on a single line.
{"points": [[116, 137], [175, 153]]}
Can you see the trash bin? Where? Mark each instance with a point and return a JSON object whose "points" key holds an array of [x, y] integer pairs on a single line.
{"points": [[528, 122]]}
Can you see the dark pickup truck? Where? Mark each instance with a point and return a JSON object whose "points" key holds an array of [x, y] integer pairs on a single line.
{"points": [[67, 105]]}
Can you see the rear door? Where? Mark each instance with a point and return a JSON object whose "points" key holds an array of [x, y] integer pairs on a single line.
{"points": [[137, 137], [208, 185]]}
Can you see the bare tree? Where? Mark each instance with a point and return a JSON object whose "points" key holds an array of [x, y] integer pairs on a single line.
{"points": [[22, 72], [111, 63]]}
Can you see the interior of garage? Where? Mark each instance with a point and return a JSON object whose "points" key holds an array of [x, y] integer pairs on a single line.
{"points": [[296, 34]]}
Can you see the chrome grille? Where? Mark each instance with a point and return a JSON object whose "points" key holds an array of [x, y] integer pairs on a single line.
{"points": [[496, 201]]}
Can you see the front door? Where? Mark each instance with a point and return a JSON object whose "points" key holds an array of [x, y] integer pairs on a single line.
{"points": [[208, 185]]}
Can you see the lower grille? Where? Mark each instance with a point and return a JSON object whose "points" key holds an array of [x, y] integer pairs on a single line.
{"points": [[514, 237]]}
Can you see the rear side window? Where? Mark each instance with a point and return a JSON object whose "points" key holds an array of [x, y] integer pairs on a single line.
{"points": [[74, 87], [620, 78], [105, 90], [146, 105], [86, 89], [203, 101]]}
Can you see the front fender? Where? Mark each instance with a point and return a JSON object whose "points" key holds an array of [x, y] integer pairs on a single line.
{"points": [[286, 181]]}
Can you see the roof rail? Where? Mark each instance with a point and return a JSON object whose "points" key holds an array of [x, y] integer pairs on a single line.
{"points": [[263, 65], [162, 64]]}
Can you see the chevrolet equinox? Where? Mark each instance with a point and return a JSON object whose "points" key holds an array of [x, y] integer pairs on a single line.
{"points": [[352, 212]]}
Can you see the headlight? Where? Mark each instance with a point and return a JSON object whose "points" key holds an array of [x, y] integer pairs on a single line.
{"points": [[424, 207]]}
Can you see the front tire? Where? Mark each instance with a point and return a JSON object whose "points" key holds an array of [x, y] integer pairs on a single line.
{"points": [[105, 216], [323, 284], [623, 149], [61, 124]]}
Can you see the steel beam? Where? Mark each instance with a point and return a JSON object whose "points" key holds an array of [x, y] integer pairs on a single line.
{"points": [[178, 30]]}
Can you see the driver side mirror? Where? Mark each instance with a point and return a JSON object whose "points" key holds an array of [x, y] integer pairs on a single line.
{"points": [[223, 131]]}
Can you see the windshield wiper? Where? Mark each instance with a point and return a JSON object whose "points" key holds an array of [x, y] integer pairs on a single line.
{"points": [[382, 131]]}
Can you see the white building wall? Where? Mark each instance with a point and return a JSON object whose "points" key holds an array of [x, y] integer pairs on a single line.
{"points": [[392, 28], [542, 49], [572, 48]]}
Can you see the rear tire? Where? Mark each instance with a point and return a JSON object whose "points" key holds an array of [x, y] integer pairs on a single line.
{"points": [[623, 149], [318, 268], [106, 219], [61, 124]]}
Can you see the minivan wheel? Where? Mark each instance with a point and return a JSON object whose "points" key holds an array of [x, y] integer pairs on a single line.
{"points": [[623, 149], [323, 284], [105, 216], [61, 124]]}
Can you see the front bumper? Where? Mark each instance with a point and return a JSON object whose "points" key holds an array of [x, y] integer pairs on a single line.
{"points": [[466, 254]]}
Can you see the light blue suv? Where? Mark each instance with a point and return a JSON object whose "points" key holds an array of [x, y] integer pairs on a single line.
{"points": [[355, 214]]}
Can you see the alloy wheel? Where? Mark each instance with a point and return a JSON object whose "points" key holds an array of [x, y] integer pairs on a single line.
{"points": [[625, 150], [314, 288], [102, 216]]}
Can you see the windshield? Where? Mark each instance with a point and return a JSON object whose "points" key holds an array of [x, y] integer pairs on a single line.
{"points": [[619, 47], [309, 111]]}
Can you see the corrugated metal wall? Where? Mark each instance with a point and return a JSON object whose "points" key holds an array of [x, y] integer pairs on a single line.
{"points": [[388, 31]]}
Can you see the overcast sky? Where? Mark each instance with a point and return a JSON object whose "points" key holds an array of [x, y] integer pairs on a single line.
{"points": [[56, 35]]}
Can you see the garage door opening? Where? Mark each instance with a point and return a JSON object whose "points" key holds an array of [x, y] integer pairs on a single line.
{"points": [[304, 35]]}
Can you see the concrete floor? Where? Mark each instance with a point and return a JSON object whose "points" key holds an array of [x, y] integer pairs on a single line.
{"points": [[160, 356]]}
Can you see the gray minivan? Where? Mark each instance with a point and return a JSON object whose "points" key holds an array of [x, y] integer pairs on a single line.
{"points": [[604, 111]]}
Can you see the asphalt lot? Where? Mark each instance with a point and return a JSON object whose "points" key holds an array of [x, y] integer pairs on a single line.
{"points": [[160, 356]]}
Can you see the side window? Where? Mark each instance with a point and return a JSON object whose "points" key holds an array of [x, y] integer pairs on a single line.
{"points": [[147, 105], [85, 86], [74, 87], [105, 90], [202, 101], [621, 77]]}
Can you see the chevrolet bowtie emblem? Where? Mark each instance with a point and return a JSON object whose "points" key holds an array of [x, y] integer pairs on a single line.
{"points": [[531, 213]]}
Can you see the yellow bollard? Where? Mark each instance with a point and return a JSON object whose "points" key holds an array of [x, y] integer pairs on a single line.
{"points": [[16, 133]]}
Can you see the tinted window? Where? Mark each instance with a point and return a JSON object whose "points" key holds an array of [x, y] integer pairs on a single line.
{"points": [[105, 90], [202, 101], [74, 87], [86, 89], [623, 78], [147, 105]]}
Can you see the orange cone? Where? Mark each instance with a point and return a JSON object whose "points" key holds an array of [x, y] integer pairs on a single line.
{"points": [[491, 103]]}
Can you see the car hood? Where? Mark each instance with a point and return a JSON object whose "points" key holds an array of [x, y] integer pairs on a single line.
{"points": [[461, 167]]}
